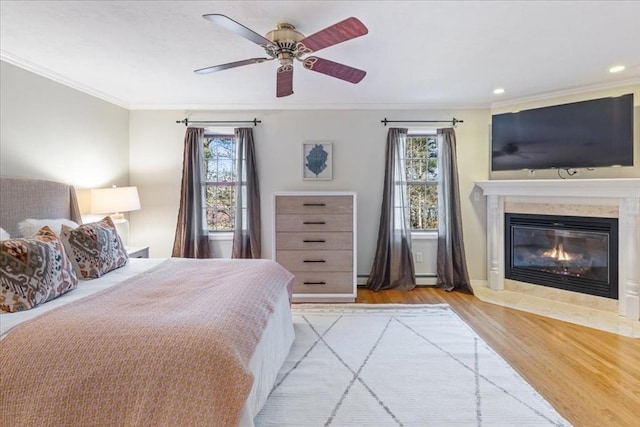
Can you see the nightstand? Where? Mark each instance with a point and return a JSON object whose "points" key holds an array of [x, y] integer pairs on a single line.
{"points": [[138, 252]]}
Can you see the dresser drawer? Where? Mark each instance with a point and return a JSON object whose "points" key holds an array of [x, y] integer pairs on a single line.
{"points": [[314, 222], [322, 283], [317, 241], [314, 204], [326, 261]]}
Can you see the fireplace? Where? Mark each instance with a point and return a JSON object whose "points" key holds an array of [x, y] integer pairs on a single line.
{"points": [[573, 253], [598, 198]]}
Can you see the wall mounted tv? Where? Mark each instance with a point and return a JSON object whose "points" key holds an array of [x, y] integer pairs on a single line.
{"points": [[587, 134]]}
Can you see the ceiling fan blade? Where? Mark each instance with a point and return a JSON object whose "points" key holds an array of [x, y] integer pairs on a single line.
{"points": [[230, 65], [334, 69], [231, 25], [284, 81], [345, 30]]}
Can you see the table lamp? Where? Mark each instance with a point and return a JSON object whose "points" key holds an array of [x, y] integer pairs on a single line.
{"points": [[114, 201]]}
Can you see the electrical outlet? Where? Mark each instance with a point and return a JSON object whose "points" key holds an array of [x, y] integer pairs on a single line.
{"points": [[418, 256], [476, 196]]}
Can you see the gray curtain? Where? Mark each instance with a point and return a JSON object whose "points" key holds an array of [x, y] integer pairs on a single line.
{"points": [[246, 236], [452, 264], [192, 235], [393, 263]]}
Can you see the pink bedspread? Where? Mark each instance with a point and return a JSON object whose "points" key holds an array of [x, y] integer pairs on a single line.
{"points": [[169, 347]]}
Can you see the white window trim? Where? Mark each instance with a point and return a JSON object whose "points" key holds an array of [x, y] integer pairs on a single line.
{"points": [[221, 235], [424, 235], [415, 235], [429, 132], [219, 133]]}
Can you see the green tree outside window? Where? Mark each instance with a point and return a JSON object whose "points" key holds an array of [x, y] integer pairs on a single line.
{"points": [[220, 177], [421, 161]]}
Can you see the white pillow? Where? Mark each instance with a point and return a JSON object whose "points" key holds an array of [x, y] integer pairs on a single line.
{"points": [[4, 235], [29, 227]]}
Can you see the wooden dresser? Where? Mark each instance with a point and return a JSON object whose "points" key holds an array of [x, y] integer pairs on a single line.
{"points": [[315, 239]]}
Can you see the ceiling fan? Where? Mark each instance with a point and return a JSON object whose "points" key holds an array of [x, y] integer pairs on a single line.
{"points": [[286, 44]]}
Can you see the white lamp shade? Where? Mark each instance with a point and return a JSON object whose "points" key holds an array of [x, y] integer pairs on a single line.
{"points": [[116, 199]]}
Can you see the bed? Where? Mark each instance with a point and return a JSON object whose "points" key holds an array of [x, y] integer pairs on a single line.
{"points": [[154, 342]]}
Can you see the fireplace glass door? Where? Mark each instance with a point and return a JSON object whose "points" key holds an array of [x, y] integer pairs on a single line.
{"points": [[573, 253], [564, 252]]}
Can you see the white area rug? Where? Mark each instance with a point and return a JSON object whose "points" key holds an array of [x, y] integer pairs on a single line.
{"points": [[404, 365]]}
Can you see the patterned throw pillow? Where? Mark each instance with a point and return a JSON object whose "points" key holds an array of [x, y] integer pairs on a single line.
{"points": [[34, 271], [94, 248]]}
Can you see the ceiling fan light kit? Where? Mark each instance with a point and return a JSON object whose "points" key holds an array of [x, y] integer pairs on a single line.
{"points": [[285, 44]]}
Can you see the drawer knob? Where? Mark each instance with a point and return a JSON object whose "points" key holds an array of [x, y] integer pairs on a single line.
{"points": [[314, 204], [314, 283], [313, 222], [314, 260], [314, 241]]}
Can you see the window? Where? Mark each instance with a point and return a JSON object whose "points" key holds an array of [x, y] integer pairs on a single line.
{"points": [[421, 163], [220, 180]]}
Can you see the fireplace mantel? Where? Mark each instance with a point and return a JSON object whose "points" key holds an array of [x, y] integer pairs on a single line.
{"points": [[607, 188], [622, 193]]}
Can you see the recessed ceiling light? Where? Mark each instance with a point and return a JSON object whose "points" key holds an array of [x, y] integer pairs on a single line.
{"points": [[616, 69], [498, 91]]}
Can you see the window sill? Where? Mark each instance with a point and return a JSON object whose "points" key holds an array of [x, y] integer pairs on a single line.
{"points": [[424, 235], [415, 235], [221, 235]]}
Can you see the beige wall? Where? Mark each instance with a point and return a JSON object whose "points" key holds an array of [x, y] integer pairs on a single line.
{"points": [[358, 140], [51, 131]]}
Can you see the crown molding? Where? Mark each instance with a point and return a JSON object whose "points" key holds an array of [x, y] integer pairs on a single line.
{"points": [[49, 74], [58, 78], [315, 107], [568, 92]]}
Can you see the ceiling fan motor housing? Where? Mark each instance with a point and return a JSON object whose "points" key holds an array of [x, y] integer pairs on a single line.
{"points": [[286, 37]]}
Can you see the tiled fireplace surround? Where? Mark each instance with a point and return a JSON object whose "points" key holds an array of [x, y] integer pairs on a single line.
{"points": [[619, 198]]}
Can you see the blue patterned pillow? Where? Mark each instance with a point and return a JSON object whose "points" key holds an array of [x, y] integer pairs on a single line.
{"points": [[34, 271]]}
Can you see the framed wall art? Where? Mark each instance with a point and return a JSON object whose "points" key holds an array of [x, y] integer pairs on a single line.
{"points": [[316, 160]]}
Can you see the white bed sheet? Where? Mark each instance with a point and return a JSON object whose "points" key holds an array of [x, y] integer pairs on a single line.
{"points": [[270, 354], [265, 363], [85, 288]]}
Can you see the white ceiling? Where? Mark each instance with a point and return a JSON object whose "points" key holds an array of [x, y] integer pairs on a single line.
{"points": [[418, 54]]}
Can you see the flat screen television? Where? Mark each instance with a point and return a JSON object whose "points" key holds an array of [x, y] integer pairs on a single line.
{"points": [[587, 134]]}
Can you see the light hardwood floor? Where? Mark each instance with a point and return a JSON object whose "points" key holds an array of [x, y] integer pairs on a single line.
{"points": [[591, 377]]}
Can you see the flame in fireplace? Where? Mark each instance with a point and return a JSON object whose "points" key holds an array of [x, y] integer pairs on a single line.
{"points": [[558, 253]]}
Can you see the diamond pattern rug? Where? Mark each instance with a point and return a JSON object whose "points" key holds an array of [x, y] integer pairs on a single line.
{"points": [[396, 365]]}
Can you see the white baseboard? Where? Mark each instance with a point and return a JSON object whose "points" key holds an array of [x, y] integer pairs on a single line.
{"points": [[479, 283], [420, 281], [430, 281]]}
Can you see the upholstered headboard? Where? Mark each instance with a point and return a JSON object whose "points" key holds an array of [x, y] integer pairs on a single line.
{"points": [[22, 198]]}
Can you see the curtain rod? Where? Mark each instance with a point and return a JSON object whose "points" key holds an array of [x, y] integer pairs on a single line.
{"points": [[187, 122], [453, 121]]}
